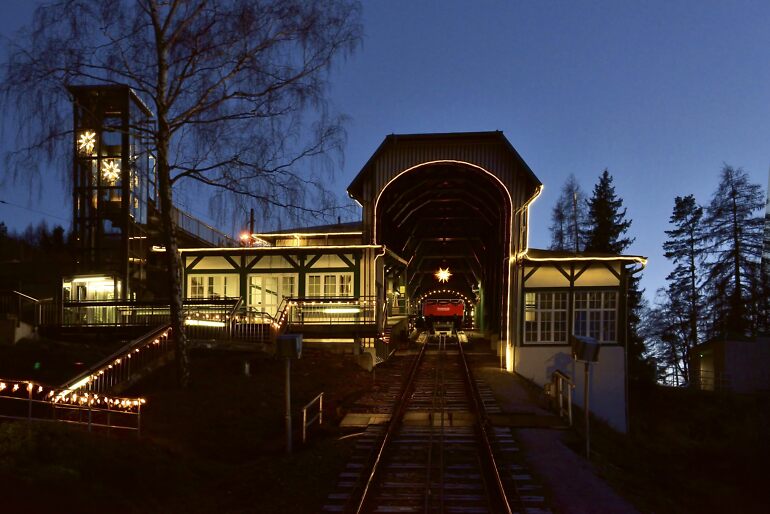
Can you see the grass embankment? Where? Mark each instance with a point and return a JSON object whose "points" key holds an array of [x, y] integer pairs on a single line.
{"points": [[216, 446], [689, 451]]}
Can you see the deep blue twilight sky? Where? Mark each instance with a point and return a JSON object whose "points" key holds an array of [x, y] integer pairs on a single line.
{"points": [[661, 93]]}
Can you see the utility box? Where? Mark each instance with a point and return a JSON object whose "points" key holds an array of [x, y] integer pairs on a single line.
{"points": [[585, 348], [289, 346]]}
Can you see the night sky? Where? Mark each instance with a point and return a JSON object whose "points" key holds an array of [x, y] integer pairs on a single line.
{"points": [[661, 93]]}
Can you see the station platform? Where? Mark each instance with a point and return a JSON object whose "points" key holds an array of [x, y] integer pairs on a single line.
{"points": [[571, 482]]}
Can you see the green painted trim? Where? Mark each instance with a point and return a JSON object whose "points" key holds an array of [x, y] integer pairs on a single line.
{"points": [[253, 262], [291, 261], [357, 276], [262, 271], [344, 259], [231, 261], [607, 265], [203, 271], [313, 260], [577, 275], [313, 271], [195, 261], [301, 278], [531, 272]]}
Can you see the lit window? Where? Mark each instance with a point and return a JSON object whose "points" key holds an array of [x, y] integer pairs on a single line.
{"points": [[196, 287], [288, 288], [545, 318], [346, 284], [314, 285], [330, 285]]}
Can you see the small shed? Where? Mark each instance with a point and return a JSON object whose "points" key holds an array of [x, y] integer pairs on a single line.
{"points": [[741, 366]]}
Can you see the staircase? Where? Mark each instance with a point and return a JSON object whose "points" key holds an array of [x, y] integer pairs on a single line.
{"points": [[125, 366]]}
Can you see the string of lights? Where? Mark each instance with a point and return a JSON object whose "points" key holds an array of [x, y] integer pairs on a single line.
{"points": [[28, 390]]}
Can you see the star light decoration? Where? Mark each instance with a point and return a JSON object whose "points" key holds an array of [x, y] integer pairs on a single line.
{"points": [[111, 170], [442, 275], [87, 142]]}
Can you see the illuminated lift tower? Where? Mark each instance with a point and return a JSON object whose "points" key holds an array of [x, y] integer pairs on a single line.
{"points": [[114, 187]]}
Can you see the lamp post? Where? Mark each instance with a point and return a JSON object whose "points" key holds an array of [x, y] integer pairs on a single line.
{"points": [[586, 349]]}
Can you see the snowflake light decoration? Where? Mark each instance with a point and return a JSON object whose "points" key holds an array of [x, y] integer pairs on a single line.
{"points": [[87, 142], [111, 171], [443, 274]]}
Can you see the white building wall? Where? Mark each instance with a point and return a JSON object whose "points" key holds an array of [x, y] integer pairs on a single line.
{"points": [[607, 380]]}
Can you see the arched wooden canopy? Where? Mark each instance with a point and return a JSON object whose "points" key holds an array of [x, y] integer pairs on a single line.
{"points": [[452, 201]]}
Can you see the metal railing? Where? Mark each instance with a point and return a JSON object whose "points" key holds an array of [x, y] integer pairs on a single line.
{"points": [[318, 416], [24, 308], [31, 401], [202, 231], [249, 324], [561, 388], [144, 313], [328, 311], [124, 364]]}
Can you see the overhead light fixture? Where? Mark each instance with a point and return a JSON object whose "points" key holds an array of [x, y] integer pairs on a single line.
{"points": [[443, 275], [342, 310], [203, 323]]}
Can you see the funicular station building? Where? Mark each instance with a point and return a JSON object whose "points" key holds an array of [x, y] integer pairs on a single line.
{"points": [[456, 202]]}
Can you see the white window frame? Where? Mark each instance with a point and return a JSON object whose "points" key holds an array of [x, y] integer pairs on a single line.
{"points": [[214, 285], [278, 295], [314, 286], [546, 312], [596, 315], [329, 285]]}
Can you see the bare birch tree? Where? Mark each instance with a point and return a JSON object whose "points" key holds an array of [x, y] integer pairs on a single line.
{"points": [[237, 88]]}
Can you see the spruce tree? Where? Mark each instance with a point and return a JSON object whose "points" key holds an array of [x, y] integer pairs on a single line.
{"points": [[685, 248], [605, 232], [568, 216], [733, 276], [606, 224]]}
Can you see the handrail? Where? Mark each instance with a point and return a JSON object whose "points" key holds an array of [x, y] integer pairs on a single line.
{"points": [[326, 310], [53, 399], [25, 296], [91, 378], [17, 299], [200, 229], [231, 316], [559, 379], [319, 416]]}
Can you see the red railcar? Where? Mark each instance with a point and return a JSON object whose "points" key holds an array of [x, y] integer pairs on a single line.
{"points": [[443, 308]]}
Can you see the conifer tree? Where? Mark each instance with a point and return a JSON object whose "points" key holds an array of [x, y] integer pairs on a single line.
{"points": [[685, 248], [735, 247], [667, 332], [568, 216], [605, 232], [606, 222]]}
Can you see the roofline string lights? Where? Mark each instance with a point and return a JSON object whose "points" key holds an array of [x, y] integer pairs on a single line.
{"points": [[446, 291]]}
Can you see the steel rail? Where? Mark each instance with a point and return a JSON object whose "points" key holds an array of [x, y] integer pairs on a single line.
{"points": [[483, 422], [395, 420]]}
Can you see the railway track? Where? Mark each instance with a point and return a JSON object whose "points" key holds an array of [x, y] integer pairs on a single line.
{"points": [[437, 453]]}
